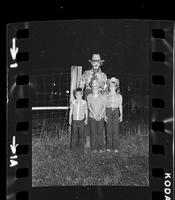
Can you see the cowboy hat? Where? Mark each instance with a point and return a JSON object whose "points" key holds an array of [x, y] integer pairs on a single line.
{"points": [[96, 58], [114, 80]]}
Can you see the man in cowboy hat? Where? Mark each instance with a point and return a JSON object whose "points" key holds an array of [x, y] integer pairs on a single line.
{"points": [[93, 74], [86, 81]]}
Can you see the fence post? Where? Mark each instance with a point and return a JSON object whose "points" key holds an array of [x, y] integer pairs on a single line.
{"points": [[76, 72]]}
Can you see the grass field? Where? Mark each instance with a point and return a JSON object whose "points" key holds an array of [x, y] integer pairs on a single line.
{"points": [[53, 164]]}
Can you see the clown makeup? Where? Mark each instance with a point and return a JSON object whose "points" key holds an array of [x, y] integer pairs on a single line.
{"points": [[96, 65]]}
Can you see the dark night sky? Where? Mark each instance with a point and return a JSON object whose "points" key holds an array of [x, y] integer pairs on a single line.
{"points": [[123, 44]]}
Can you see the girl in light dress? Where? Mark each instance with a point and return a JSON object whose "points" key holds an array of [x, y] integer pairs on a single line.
{"points": [[114, 115]]}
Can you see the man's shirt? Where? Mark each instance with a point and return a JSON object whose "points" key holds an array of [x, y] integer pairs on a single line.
{"points": [[88, 75], [97, 104], [78, 109]]}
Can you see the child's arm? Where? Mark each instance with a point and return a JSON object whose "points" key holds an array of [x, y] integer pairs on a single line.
{"points": [[105, 116], [103, 112], [89, 107], [86, 114], [121, 111], [91, 110], [70, 114]]}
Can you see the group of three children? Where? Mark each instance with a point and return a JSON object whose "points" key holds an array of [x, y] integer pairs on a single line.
{"points": [[99, 109]]}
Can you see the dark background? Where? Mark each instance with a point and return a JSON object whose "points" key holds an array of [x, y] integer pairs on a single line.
{"points": [[61, 9], [122, 44]]}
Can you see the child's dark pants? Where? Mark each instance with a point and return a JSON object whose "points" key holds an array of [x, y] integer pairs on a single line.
{"points": [[112, 128], [77, 134], [96, 134]]}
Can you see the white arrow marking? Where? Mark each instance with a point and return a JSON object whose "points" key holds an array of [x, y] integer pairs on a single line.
{"points": [[14, 50], [13, 145], [14, 65], [13, 163]]}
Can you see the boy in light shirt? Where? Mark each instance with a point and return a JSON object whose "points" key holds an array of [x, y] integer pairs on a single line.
{"points": [[114, 114], [96, 106], [78, 119]]}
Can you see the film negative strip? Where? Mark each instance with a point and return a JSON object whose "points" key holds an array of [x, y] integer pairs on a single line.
{"points": [[162, 114], [18, 109], [38, 103]]}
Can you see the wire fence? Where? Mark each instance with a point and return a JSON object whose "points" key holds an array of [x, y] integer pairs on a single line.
{"points": [[51, 88]]}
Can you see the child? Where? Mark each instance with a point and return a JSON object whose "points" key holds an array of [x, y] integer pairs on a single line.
{"points": [[96, 106], [114, 114], [79, 113]]}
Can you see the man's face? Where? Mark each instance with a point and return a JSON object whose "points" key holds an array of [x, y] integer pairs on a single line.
{"points": [[96, 65]]}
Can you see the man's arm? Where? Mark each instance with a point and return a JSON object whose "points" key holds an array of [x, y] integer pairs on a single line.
{"points": [[104, 81], [82, 80]]}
